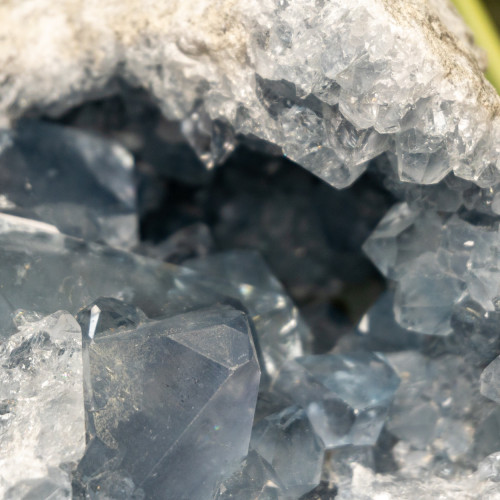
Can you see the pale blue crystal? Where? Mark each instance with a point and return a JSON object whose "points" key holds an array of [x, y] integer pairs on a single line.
{"points": [[81, 183], [288, 442], [346, 397], [167, 400], [282, 333]]}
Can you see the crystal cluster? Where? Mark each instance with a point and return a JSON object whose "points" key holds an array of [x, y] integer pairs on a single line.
{"points": [[42, 420], [166, 360], [332, 85], [285, 366]]}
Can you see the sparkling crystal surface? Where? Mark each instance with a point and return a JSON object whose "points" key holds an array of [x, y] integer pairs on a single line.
{"points": [[166, 399], [42, 426], [332, 85], [346, 397]]}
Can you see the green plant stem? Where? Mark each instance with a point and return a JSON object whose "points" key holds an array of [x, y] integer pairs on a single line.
{"points": [[486, 35]]}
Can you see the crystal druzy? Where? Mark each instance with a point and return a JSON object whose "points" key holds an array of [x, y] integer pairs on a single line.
{"points": [[268, 358]]}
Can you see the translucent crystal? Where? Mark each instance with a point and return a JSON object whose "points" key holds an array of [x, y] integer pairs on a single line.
{"points": [[165, 399], [255, 480], [288, 442], [346, 396], [379, 330], [48, 271], [281, 331], [482, 271], [433, 415], [438, 262], [326, 67], [400, 237], [78, 182], [425, 297], [42, 431], [189, 242], [490, 381]]}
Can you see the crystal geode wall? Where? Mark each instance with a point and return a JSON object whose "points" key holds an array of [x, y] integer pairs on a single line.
{"points": [[333, 85], [162, 370]]}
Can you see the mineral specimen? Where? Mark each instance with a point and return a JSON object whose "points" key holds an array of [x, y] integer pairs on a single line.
{"points": [[171, 354], [333, 85]]}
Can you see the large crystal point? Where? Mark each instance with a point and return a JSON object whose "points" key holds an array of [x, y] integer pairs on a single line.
{"points": [[288, 442], [346, 397], [81, 183], [169, 404], [42, 427]]}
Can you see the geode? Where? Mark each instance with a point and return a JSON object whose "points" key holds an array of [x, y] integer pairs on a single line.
{"points": [[153, 393]]}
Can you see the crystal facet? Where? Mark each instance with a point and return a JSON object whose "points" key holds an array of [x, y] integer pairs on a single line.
{"points": [[165, 399]]}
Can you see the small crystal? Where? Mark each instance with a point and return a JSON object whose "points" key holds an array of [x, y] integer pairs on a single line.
{"points": [[288, 442], [346, 396], [255, 480], [425, 297]]}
